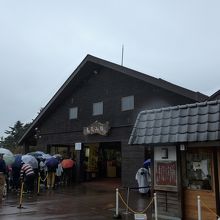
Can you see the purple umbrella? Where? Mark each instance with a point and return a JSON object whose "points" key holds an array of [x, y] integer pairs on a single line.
{"points": [[52, 162]]}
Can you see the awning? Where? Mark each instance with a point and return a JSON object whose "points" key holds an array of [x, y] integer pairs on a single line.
{"points": [[185, 123]]}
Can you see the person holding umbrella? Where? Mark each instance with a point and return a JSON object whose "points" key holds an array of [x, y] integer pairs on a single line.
{"points": [[16, 168], [67, 165], [59, 172], [27, 176], [2, 175], [52, 164]]}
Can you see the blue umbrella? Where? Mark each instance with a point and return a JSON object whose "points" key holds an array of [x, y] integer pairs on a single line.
{"points": [[46, 156], [17, 162], [40, 155], [147, 163], [37, 154]]}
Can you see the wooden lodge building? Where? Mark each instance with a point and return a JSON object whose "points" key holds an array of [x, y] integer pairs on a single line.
{"points": [[92, 115], [185, 143]]}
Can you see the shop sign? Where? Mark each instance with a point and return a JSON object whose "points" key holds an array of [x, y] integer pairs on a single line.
{"points": [[165, 168], [97, 128], [166, 173]]}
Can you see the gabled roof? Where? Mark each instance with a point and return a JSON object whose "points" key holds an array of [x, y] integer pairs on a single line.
{"points": [[91, 64], [185, 123], [214, 96]]}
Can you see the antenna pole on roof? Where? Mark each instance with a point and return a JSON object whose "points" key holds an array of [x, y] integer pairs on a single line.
{"points": [[122, 54]]}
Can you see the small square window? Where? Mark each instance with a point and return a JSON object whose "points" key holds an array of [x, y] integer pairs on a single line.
{"points": [[73, 113], [97, 108], [127, 103]]}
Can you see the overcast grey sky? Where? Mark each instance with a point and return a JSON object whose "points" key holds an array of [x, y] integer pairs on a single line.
{"points": [[43, 41]]}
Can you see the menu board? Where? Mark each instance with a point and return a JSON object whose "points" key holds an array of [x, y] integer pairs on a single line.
{"points": [[165, 175]]}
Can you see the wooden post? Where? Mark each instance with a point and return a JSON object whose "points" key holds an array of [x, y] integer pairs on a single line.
{"points": [[21, 195], [78, 166], [38, 184]]}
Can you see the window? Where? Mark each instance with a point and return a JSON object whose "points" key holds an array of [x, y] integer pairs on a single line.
{"points": [[127, 103], [97, 108], [198, 170], [73, 113]]}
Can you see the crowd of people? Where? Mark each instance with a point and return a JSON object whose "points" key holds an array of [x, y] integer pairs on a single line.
{"points": [[50, 172]]}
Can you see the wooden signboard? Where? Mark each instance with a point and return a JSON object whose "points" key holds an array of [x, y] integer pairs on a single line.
{"points": [[165, 175], [97, 128]]}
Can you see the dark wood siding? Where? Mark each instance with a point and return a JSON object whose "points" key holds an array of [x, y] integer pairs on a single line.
{"points": [[169, 203], [133, 157], [108, 86]]}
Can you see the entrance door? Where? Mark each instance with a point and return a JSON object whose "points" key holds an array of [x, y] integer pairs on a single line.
{"points": [[102, 160], [110, 159], [198, 180]]}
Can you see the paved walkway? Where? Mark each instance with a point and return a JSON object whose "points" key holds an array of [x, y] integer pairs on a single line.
{"points": [[90, 200]]}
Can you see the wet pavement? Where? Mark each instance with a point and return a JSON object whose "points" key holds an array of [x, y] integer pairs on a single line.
{"points": [[89, 200]]}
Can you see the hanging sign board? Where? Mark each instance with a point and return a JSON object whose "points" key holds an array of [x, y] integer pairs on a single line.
{"points": [[166, 173], [165, 168], [97, 128], [78, 146]]}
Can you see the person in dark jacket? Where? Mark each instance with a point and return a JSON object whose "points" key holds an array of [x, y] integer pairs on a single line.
{"points": [[15, 178], [2, 175]]}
